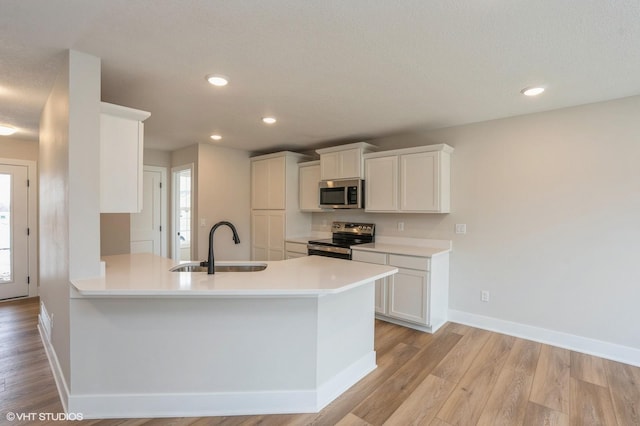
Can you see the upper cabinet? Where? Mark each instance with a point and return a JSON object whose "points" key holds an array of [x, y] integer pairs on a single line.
{"points": [[121, 166], [268, 183], [309, 192], [343, 162], [412, 180]]}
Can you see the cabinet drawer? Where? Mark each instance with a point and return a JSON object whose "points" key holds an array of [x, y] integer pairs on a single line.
{"points": [[296, 247], [369, 257], [410, 262]]}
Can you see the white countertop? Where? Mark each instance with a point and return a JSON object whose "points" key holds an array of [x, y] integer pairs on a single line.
{"points": [[149, 275], [407, 246], [304, 239]]}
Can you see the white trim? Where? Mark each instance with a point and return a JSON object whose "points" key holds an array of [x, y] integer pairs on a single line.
{"points": [[58, 376], [612, 351], [32, 219], [348, 377], [103, 406], [164, 213], [175, 248]]}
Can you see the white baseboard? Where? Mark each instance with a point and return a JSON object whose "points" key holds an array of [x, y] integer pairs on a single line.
{"points": [[221, 403], [585, 345], [348, 377], [58, 376]]}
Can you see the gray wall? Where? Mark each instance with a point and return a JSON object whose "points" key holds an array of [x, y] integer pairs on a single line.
{"points": [[69, 192], [551, 202]]}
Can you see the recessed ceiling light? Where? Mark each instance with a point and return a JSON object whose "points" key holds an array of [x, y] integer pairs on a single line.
{"points": [[218, 80], [216, 137], [532, 91], [268, 120], [7, 130]]}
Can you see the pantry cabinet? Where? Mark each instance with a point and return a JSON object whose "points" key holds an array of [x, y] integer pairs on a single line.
{"points": [[412, 180], [121, 165], [343, 162], [275, 211]]}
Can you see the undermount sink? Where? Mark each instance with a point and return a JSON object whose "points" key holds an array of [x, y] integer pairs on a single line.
{"points": [[240, 267]]}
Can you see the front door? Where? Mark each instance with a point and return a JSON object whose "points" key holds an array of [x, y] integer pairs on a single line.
{"points": [[14, 239]]}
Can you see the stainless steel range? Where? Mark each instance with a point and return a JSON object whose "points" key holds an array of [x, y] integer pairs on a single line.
{"points": [[344, 235]]}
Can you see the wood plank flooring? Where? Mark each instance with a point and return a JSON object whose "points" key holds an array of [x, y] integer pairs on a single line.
{"points": [[458, 376]]}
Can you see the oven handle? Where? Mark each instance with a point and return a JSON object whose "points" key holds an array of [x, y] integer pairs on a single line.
{"points": [[340, 250]]}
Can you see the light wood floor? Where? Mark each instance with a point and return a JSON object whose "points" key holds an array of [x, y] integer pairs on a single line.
{"points": [[458, 376]]}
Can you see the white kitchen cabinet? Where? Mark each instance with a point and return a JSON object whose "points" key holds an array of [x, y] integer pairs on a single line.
{"points": [[121, 166], [411, 180], [381, 284], [417, 296], [309, 192], [267, 235], [343, 162], [268, 184], [294, 250], [275, 209], [381, 183], [408, 296]]}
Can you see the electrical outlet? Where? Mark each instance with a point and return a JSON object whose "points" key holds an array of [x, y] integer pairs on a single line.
{"points": [[484, 296], [203, 222], [461, 228], [400, 226]]}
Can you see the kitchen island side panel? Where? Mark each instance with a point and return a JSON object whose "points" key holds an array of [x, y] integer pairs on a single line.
{"points": [[172, 345], [345, 331]]}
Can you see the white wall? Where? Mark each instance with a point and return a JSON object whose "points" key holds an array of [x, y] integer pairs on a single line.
{"points": [[224, 193], [551, 202], [19, 149], [69, 204]]}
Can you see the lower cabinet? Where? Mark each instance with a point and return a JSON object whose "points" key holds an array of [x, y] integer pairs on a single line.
{"points": [[294, 250], [410, 298], [267, 235]]}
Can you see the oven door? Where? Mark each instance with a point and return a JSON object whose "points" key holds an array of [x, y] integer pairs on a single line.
{"points": [[329, 251]]}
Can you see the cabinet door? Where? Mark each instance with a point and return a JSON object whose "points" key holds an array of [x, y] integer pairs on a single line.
{"points": [[381, 284], [276, 235], [276, 183], [121, 147], [260, 184], [420, 182], [309, 196], [408, 296], [350, 163], [381, 184], [330, 166], [259, 235], [381, 296]]}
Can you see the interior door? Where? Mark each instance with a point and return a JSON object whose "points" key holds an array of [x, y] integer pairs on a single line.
{"points": [[146, 231], [14, 239]]}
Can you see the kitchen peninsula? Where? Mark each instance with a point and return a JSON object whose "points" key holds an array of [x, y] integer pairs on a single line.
{"points": [[155, 343]]}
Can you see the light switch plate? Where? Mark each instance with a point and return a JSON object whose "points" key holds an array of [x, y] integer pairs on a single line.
{"points": [[461, 228]]}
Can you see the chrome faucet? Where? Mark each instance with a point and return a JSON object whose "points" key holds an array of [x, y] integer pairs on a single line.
{"points": [[210, 260]]}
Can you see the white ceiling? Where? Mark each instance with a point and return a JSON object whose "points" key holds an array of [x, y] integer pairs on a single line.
{"points": [[329, 70]]}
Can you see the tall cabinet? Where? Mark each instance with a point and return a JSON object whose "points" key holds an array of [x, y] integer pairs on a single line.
{"points": [[275, 212]]}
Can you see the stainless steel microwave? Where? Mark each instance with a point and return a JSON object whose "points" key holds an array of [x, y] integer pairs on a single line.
{"points": [[342, 194]]}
